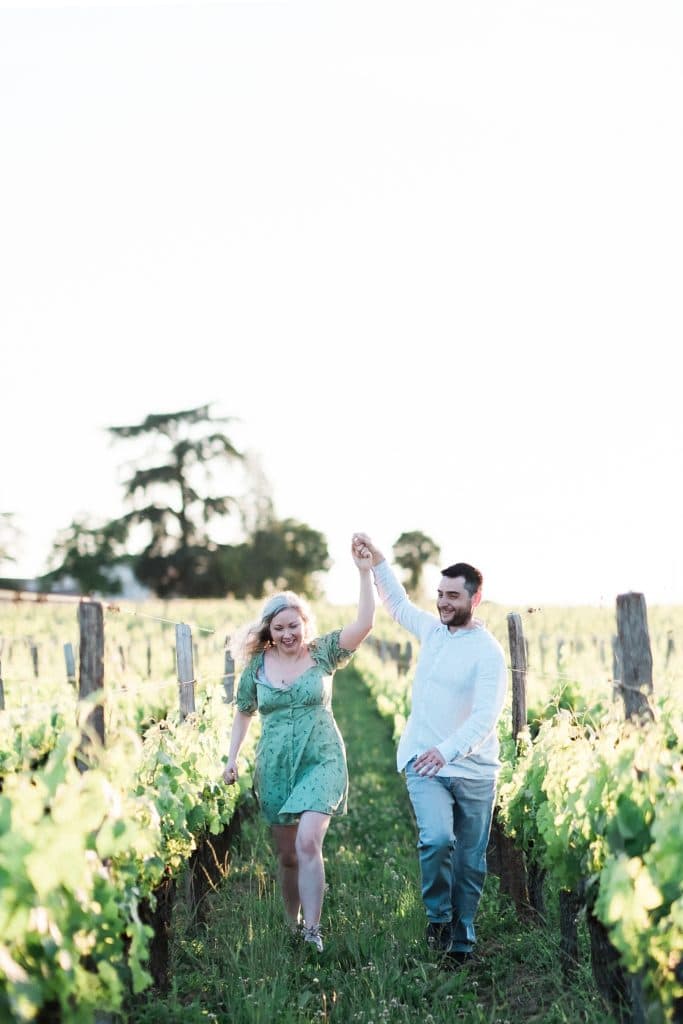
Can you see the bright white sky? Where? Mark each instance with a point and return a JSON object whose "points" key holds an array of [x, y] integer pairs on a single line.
{"points": [[430, 254]]}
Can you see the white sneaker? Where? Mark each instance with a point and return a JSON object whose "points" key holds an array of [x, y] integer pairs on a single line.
{"points": [[313, 936]]}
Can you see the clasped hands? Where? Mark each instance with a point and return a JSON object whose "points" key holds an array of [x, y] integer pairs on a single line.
{"points": [[360, 552]]}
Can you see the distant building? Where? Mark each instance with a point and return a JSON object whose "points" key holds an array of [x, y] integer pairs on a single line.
{"points": [[40, 586], [130, 590]]}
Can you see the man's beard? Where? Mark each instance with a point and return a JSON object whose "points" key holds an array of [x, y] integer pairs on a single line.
{"points": [[461, 618]]}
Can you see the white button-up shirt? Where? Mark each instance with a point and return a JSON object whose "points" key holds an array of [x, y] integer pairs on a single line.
{"points": [[458, 690]]}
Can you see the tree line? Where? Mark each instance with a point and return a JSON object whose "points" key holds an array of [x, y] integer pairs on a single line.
{"points": [[166, 538]]}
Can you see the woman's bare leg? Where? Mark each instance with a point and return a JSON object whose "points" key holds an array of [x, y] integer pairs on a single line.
{"points": [[309, 852], [288, 869]]}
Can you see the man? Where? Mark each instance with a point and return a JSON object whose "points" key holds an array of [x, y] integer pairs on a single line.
{"points": [[449, 749]]}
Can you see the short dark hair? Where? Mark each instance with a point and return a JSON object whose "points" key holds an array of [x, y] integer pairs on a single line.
{"points": [[473, 578]]}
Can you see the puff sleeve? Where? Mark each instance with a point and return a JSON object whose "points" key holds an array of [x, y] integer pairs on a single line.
{"points": [[246, 700], [329, 654]]}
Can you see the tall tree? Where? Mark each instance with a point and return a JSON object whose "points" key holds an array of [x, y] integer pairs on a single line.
{"points": [[282, 553], [179, 557], [257, 509], [288, 554], [413, 551], [175, 513], [85, 552]]}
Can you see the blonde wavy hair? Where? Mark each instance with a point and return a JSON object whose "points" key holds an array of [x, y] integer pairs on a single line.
{"points": [[255, 637]]}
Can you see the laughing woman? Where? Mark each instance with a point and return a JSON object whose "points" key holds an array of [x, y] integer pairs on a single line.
{"points": [[300, 777]]}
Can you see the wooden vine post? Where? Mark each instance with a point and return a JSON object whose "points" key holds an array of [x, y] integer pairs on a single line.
{"points": [[504, 858], [636, 657], [70, 662], [519, 673], [185, 667], [207, 864], [621, 990], [158, 913], [2, 691], [228, 673], [405, 659], [616, 668], [91, 673]]}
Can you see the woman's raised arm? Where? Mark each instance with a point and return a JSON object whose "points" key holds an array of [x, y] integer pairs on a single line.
{"points": [[355, 632]]}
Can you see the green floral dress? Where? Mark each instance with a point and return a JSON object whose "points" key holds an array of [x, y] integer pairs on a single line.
{"points": [[300, 757]]}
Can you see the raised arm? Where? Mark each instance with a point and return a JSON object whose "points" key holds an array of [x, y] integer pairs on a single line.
{"points": [[391, 591], [353, 634], [362, 545]]}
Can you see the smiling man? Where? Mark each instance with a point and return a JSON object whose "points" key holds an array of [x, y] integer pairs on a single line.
{"points": [[449, 749]]}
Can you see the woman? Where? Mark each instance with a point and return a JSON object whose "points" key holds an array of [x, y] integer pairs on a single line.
{"points": [[300, 777]]}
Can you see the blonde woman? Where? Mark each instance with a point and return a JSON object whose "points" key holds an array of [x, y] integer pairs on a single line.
{"points": [[300, 776]]}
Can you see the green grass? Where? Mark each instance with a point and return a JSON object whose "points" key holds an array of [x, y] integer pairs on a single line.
{"points": [[238, 965]]}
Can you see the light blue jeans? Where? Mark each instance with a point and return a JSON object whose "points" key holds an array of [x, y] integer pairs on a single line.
{"points": [[454, 821]]}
